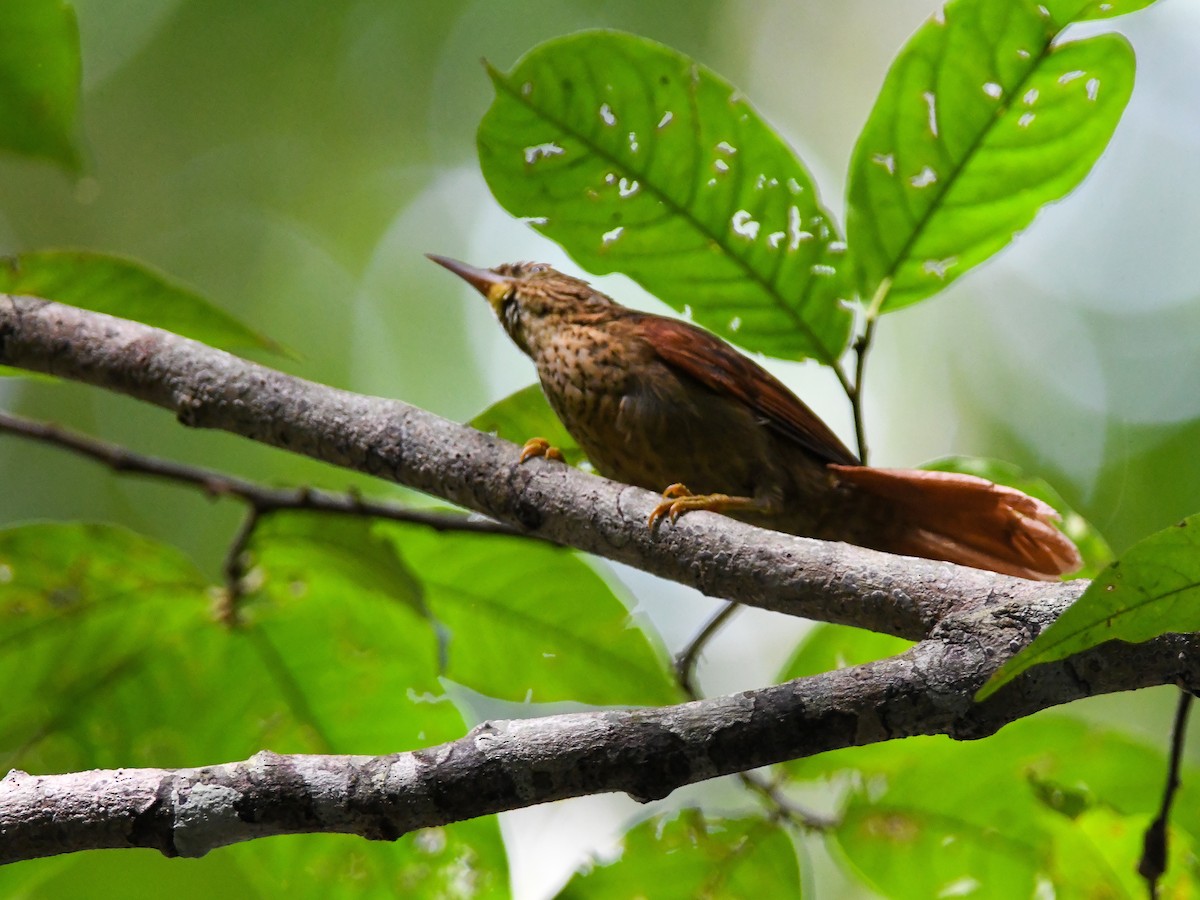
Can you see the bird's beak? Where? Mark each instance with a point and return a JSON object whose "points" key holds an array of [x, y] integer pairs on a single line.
{"points": [[494, 287]]}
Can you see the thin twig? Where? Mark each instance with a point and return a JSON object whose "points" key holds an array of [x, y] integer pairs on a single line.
{"points": [[220, 484], [1153, 863], [234, 569], [781, 807], [843, 379], [784, 808], [686, 659]]}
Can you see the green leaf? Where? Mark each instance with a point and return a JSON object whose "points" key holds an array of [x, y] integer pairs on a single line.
{"points": [[86, 610], [526, 414], [463, 859], [511, 618], [39, 81], [639, 160], [982, 120], [830, 647], [1064, 12], [690, 855], [996, 815], [124, 288], [525, 620], [1153, 589], [1097, 855], [1091, 544], [110, 656]]}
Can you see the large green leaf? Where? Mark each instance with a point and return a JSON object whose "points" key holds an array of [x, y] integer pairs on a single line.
{"points": [[690, 855], [110, 656], [1153, 589], [526, 620], [639, 160], [466, 859], [983, 119], [39, 81], [86, 611], [511, 618], [121, 287]]}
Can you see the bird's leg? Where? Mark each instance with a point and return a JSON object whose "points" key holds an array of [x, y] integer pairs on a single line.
{"points": [[677, 500], [539, 446]]}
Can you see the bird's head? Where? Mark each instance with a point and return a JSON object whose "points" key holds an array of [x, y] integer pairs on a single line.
{"points": [[527, 295]]}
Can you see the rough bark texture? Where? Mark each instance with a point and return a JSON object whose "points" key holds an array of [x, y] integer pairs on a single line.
{"points": [[967, 621]]}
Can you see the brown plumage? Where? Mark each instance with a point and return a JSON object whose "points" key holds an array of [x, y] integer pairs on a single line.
{"points": [[662, 404]]}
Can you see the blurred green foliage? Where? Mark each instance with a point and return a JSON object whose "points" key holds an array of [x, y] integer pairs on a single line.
{"points": [[290, 162]]}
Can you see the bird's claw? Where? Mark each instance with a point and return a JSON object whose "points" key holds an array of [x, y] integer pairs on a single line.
{"points": [[673, 504], [677, 500], [539, 446]]}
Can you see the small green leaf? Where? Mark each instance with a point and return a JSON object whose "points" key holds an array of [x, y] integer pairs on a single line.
{"points": [[1153, 589], [639, 160], [690, 855], [982, 120], [39, 81], [130, 290], [1091, 544], [526, 414]]}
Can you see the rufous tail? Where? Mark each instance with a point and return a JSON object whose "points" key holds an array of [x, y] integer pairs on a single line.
{"points": [[970, 521]]}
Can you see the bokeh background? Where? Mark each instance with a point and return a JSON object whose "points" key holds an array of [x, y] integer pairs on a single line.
{"points": [[293, 159]]}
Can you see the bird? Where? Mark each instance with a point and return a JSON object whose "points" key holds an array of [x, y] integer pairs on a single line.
{"points": [[665, 405]]}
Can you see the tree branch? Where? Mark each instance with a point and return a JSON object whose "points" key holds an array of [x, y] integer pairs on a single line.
{"points": [[504, 765], [209, 388], [262, 498], [968, 622]]}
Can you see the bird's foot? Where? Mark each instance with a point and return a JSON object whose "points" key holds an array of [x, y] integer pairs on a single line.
{"points": [[677, 500], [539, 446]]}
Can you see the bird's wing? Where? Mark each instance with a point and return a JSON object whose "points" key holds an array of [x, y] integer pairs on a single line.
{"points": [[715, 364]]}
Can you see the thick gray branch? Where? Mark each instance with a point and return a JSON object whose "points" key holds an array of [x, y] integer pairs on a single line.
{"points": [[505, 765], [208, 388]]}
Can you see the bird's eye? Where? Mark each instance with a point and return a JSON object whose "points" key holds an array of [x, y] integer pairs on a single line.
{"points": [[538, 268]]}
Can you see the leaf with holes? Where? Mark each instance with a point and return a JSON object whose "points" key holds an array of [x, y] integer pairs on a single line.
{"points": [[1153, 589], [639, 160], [1065, 12], [983, 118]]}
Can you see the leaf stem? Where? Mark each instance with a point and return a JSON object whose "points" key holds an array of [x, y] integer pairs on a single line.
{"points": [[685, 661], [854, 392]]}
